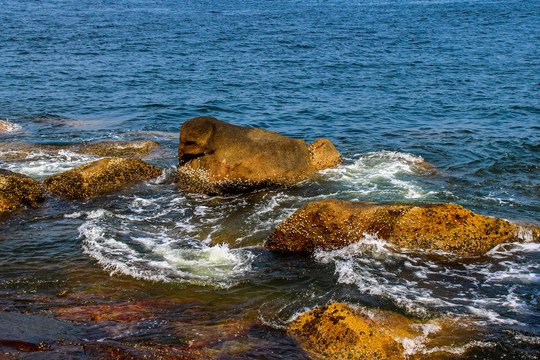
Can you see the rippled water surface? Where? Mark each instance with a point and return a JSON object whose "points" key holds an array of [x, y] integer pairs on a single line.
{"points": [[391, 83]]}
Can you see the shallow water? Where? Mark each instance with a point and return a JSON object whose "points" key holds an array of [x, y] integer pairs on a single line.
{"points": [[391, 83]]}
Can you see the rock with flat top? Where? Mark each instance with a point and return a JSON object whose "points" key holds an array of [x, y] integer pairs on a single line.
{"points": [[99, 176], [220, 158], [117, 148], [20, 151], [331, 224]]}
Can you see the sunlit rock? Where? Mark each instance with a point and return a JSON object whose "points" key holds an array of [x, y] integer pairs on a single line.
{"points": [[99, 176], [117, 148], [18, 190], [22, 150], [331, 224], [218, 158], [339, 331], [6, 126]]}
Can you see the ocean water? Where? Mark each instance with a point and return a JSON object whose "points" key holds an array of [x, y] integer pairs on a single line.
{"points": [[390, 83]]}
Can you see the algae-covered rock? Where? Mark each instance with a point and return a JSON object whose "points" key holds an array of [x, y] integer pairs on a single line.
{"points": [[338, 331], [331, 224], [324, 154], [117, 148], [218, 158], [99, 176], [18, 190], [22, 150]]}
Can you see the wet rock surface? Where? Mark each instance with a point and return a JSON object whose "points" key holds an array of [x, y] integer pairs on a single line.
{"points": [[99, 176], [331, 224], [17, 190], [117, 148], [218, 158], [338, 331], [6, 126], [21, 150]]}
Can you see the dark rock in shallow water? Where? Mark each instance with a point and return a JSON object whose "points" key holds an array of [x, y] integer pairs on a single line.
{"points": [[331, 224], [34, 329], [99, 176], [219, 158], [18, 190]]}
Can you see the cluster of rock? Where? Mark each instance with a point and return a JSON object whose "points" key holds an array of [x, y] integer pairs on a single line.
{"points": [[120, 168], [217, 158]]}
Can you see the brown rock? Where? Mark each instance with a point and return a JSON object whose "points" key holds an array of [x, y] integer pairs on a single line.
{"points": [[338, 331], [6, 126], [324, 154], [331, 224], [117, 148], [217, 158], [99, 176], [18, 190], [21, 150]]}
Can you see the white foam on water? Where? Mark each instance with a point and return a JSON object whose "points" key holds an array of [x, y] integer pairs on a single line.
{"points": [[167, 175], [417, 344], [41, 164], [155, 255], [488, 289], [533, 340], [9, 126], [458, 350], [384, 172]]}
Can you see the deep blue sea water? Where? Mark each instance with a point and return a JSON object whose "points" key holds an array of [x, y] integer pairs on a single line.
{"points": [[456, 83]]}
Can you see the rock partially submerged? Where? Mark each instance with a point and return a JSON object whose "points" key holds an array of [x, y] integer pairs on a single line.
{"points": [[17, 190], [339, 331], [219, 158], [331, 224], [6, 126], [99, 176], [22, 150], [117, 148]]}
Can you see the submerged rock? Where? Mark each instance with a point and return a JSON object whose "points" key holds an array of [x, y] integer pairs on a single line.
{"points": [[99, 176], [6, 126], [18, 190], [331, 224], [218, 158], [22, 150]]}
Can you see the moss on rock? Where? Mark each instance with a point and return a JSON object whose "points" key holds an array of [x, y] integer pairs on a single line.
{"points": [[99, 176], [18, 190], [338, 331], [331, 224], [21, 150]]}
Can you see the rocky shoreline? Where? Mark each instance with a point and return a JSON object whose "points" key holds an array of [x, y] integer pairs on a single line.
{"points": [[216, 158]]}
